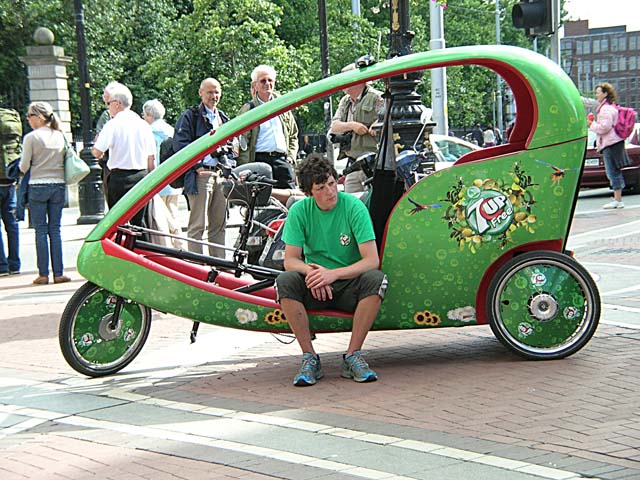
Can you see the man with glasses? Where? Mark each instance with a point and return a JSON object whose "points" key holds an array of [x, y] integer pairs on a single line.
{"points": [[131, 146], [275, 141]]}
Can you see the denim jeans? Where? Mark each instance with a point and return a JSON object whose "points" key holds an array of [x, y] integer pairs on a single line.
{"points": [[45, 207], [610, 154], [7, 212]]}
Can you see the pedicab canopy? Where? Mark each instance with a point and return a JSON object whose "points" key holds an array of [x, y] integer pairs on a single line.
{"points": [[445, 238]]}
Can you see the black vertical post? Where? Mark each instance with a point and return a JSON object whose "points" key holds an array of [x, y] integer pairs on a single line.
{"points": [[90, 189], [324, 59]]}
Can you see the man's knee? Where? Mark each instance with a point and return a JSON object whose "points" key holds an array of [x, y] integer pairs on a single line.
{"points": [[373, 282], [290, 285]]}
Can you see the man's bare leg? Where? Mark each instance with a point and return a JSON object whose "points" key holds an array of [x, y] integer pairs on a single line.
{"points": [[298, 320], [363, 318]]}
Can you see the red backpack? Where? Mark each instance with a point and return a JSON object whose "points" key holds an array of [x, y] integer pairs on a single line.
{"points": [[626, 121]]}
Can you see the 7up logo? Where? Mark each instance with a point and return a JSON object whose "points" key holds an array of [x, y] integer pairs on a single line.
{"points": [[488, 211]]}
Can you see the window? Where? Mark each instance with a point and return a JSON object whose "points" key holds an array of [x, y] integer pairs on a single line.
{"points": [[614, 44], [633, 42], [579, 44], [633, 65], [586, 49], [604, 45], [623, 43], [596, 46], [622, 63]]}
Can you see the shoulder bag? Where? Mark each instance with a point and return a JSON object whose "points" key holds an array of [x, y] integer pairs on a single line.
{"points": [[75, 169]]}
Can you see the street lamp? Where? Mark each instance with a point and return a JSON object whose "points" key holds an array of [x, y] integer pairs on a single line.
{"points": [[406, 110], [90, 189], [407, 105]]}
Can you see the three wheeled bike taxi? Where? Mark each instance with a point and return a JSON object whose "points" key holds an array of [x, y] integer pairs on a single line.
{"points": [[481, 242]]}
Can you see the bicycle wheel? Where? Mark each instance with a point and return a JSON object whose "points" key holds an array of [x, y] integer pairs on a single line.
{"points": [[92, 340], [543, 305]]}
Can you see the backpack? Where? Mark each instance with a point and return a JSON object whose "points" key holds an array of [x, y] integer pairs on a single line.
{"points": [[10, 138], [166, 151], [626, 121]]}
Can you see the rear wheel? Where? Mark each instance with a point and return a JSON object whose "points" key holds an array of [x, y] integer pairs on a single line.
{"points": [[99, 337], [543, 305]]}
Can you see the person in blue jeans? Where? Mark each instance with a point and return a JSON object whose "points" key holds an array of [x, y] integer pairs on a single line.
{"points": [[43, 154], [10, 258]]}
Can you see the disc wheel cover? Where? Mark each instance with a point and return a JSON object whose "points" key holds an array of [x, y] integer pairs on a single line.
{"points": [[544, 306]]}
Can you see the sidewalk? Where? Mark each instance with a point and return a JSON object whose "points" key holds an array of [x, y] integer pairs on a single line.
{"points": [[450, 404]]}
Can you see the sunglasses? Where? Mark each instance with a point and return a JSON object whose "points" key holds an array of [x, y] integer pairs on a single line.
{"points": [[32, 115]]}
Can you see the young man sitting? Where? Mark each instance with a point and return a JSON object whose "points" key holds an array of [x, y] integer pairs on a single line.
{"points": [[331, 262]]}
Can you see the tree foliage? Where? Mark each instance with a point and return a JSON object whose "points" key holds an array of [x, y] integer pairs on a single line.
{"points": [[164, 48]]}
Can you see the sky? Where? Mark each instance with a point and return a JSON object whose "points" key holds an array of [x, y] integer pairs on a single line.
{"points": [[605, 13]]}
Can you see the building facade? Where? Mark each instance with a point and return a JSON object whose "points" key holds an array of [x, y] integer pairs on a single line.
{"points": [[594, 55]]}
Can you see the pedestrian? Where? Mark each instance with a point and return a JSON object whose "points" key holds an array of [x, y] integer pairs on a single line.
{"points": [[131, 146], [203, 182], [43, 153], [477, 135], [489, 138], [357, 111], [498, 136], [275, 141], [153, 113], [11, 136], [608, 143], [331, 261]]}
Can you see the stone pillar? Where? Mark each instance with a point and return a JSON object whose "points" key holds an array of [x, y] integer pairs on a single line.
{"points": [[47, 74]]}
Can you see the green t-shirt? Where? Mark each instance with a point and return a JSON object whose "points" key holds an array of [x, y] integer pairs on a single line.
{"points": [[329, 238]]}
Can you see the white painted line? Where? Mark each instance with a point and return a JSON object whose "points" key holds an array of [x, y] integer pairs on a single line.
{"points": [[198, 433]]}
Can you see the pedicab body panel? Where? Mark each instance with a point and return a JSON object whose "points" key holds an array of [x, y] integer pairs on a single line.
{"points": [[445, 238]]}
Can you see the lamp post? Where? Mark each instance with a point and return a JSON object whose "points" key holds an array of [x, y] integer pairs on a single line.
{"points": [[90, 189], [406, 110], [407, 105]]}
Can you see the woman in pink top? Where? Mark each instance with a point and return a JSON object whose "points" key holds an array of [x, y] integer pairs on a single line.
{"points": [[608, 142]]}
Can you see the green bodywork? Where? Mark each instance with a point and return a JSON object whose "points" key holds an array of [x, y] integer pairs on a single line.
{"points": [[437, 252]]}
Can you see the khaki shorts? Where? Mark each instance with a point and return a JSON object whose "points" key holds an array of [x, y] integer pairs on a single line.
{"points": [[346, 293]]}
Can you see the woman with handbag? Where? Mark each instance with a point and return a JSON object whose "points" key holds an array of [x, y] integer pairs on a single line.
{"points": [[43, 153]]}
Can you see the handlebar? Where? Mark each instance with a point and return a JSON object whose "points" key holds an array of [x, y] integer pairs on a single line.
{"points": [[248, 176]]}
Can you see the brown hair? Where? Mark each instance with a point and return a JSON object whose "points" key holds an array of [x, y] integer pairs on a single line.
{"points": [[315, 169], [612, 96]]}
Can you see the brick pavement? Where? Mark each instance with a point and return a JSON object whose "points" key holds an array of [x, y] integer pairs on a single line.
{"points": [[457, 388]]}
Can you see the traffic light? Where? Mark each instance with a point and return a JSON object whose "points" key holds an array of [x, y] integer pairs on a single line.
{"points": [[537, 17]]}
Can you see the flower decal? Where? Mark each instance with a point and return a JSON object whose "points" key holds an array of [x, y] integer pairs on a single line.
{"points": [[246, 316]]}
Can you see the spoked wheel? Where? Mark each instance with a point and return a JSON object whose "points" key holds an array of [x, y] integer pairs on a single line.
{"points": [[543, 305], [101, 333]]}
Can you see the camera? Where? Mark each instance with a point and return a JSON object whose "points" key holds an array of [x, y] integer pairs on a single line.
{"points": [[344, 139]]}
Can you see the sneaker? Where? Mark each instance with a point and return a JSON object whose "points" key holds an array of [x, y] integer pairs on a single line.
{"points": [[309, 372], [613, 204], [4, 274], [14, 272], [354, 366]]}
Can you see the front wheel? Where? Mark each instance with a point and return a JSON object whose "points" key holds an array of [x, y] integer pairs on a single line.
{"points": [[543, 305], [101, 333]]}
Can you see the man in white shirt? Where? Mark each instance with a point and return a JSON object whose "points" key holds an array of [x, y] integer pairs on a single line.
{"points": [[131, 146]]}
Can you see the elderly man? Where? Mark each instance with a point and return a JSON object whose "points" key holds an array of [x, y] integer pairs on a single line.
{"points": [[275, 141], [357, 111], [202, 183], [131, 146]]}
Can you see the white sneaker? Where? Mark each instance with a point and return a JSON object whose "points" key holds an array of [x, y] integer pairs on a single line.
{"points": [[613, 204]]}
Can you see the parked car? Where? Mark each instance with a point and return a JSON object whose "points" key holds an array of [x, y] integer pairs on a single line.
{"points": [[594, 175], [446, 149]]}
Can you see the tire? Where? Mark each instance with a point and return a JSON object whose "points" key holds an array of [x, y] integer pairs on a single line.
{"points": [[543, 305], [89, 344]]}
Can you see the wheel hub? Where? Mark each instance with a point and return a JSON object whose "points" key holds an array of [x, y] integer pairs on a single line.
{"points": [[543, 307], [107, 330]]}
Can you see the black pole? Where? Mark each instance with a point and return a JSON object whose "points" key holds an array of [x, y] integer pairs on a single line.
{"points": [[404, 119], [324, 59], [90, 189]]}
